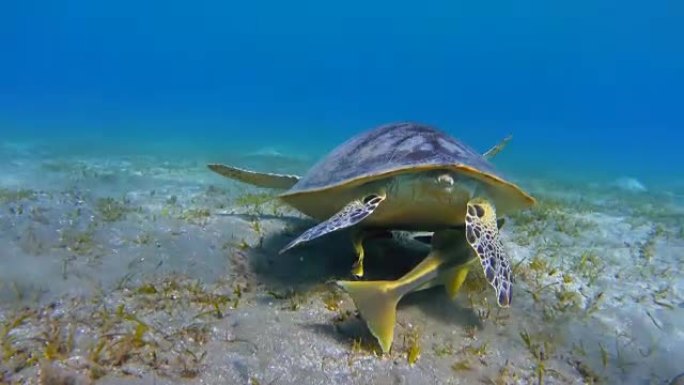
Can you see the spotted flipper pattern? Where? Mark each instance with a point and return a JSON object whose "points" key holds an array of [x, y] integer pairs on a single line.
{"points": [[483, 236], [351, 214]]}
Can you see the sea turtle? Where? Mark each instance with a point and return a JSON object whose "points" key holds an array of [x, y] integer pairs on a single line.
{"points": [[447, 264], [404, 176]]}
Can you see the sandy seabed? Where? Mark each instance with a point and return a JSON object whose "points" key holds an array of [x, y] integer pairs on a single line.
{"points": [[153, 270]]}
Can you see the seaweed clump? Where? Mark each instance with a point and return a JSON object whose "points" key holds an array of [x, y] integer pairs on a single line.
{"points": [[124, 332], [12, 196], [111, 210]]}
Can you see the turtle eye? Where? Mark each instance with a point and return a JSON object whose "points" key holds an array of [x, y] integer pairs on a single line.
{"points": [[445, 180]]}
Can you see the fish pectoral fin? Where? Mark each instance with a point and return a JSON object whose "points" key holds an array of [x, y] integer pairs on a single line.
{"points": [[357, 241], [377, 302], [454, 278], [350, 215], [358, 238], [255, 178], [482, 235]]}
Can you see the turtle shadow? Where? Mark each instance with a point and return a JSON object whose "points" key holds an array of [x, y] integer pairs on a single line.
{"points": [[430, 302], [321, 261], [436, 305], [348, 332], [324, 259], [313, 263]]}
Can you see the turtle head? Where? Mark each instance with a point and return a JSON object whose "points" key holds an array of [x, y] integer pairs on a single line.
{"points": [[457, 184], [445, 180]]}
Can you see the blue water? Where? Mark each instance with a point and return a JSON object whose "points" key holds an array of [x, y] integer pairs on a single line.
{"points": [[585, 86], [591, 90]]}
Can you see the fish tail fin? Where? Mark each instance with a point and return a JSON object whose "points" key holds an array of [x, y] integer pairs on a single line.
{"points": [[377, 302]]}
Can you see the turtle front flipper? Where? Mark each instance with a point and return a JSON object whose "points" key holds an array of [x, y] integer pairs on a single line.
{"points": [[255, 178], [483, 236], [351, 214], [454, 278]]}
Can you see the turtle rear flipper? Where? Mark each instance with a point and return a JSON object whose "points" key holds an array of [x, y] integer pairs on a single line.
{"points": [[351, 214], [483, 236], [496, 149], [255, 178]]}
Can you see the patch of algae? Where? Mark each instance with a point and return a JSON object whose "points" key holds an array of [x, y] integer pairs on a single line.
{"points": [[260, 203], [13, 196], [112, 210], [114, 337], [551, 214]]}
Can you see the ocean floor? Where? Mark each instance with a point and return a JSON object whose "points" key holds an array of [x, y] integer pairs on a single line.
{"points": [[154, 270]]}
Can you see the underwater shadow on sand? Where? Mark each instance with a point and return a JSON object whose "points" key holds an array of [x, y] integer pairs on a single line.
{"points": [[432, 302], [330, 258], [322, 260], [435, 304]]}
